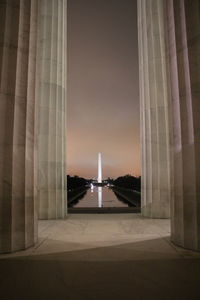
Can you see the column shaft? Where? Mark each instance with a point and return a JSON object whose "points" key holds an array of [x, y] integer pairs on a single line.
{"points": [[52, 58], [18, 28], [184, 52], [154, 103]]}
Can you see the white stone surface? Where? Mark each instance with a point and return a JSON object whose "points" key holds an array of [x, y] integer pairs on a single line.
{"points": [[184, 53], [125, 236], [52, 60], [89, 231], [18, 28], [102, 256], [154, 103]]}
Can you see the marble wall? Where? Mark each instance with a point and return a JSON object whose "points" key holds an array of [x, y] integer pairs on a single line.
{"points": [[18, 28], [184, 55], [51, 89], [154, 103]]}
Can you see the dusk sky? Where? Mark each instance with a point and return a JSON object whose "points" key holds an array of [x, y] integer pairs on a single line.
{"points": [[103, 92]]}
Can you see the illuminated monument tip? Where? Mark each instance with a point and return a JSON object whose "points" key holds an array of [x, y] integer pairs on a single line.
{"points": [[99, 168]]}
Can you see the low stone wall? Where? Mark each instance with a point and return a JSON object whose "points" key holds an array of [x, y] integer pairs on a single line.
{"points": [[133, 197]]}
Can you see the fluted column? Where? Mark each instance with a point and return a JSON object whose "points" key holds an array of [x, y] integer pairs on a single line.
{"points": [[52, 58], [184, 46], [154, 104], [18, 23]]}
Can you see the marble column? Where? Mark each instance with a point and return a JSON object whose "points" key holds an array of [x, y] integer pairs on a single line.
{"points": [[51, 87], [184, 52], [154, 103], [18, 29]]}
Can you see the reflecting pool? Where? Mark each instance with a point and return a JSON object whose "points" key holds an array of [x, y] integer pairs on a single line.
{"points": [[100, 197]]}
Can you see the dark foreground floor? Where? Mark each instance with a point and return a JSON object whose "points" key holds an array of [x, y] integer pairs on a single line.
{"points": [[54, 277], [102, 257]]}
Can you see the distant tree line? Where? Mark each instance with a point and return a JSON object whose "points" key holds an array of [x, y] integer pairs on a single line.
{"points": [[74, 182], [128, 182]]}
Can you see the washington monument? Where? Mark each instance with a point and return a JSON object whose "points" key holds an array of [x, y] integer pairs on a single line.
{"points": [[99, 168]]}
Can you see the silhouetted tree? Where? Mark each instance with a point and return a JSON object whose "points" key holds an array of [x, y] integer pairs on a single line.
{"points": [[110, 180], [74, 182], [128, 182]]}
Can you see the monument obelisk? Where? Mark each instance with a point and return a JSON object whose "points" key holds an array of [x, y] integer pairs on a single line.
{"points": [[99, 168]]}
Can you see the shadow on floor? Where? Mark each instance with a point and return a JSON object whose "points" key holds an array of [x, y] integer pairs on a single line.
{"points": [[146, 273]]}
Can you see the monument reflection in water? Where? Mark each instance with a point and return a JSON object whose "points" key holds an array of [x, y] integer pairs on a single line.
{"points": [[100, 196], [100, 199], [99, 179]]}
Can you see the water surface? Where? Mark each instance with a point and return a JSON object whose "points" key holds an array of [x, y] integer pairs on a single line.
{"points": [[100, 197]]}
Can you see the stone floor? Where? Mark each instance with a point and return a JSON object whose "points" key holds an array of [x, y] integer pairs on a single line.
{"points": [[101, 256]]}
